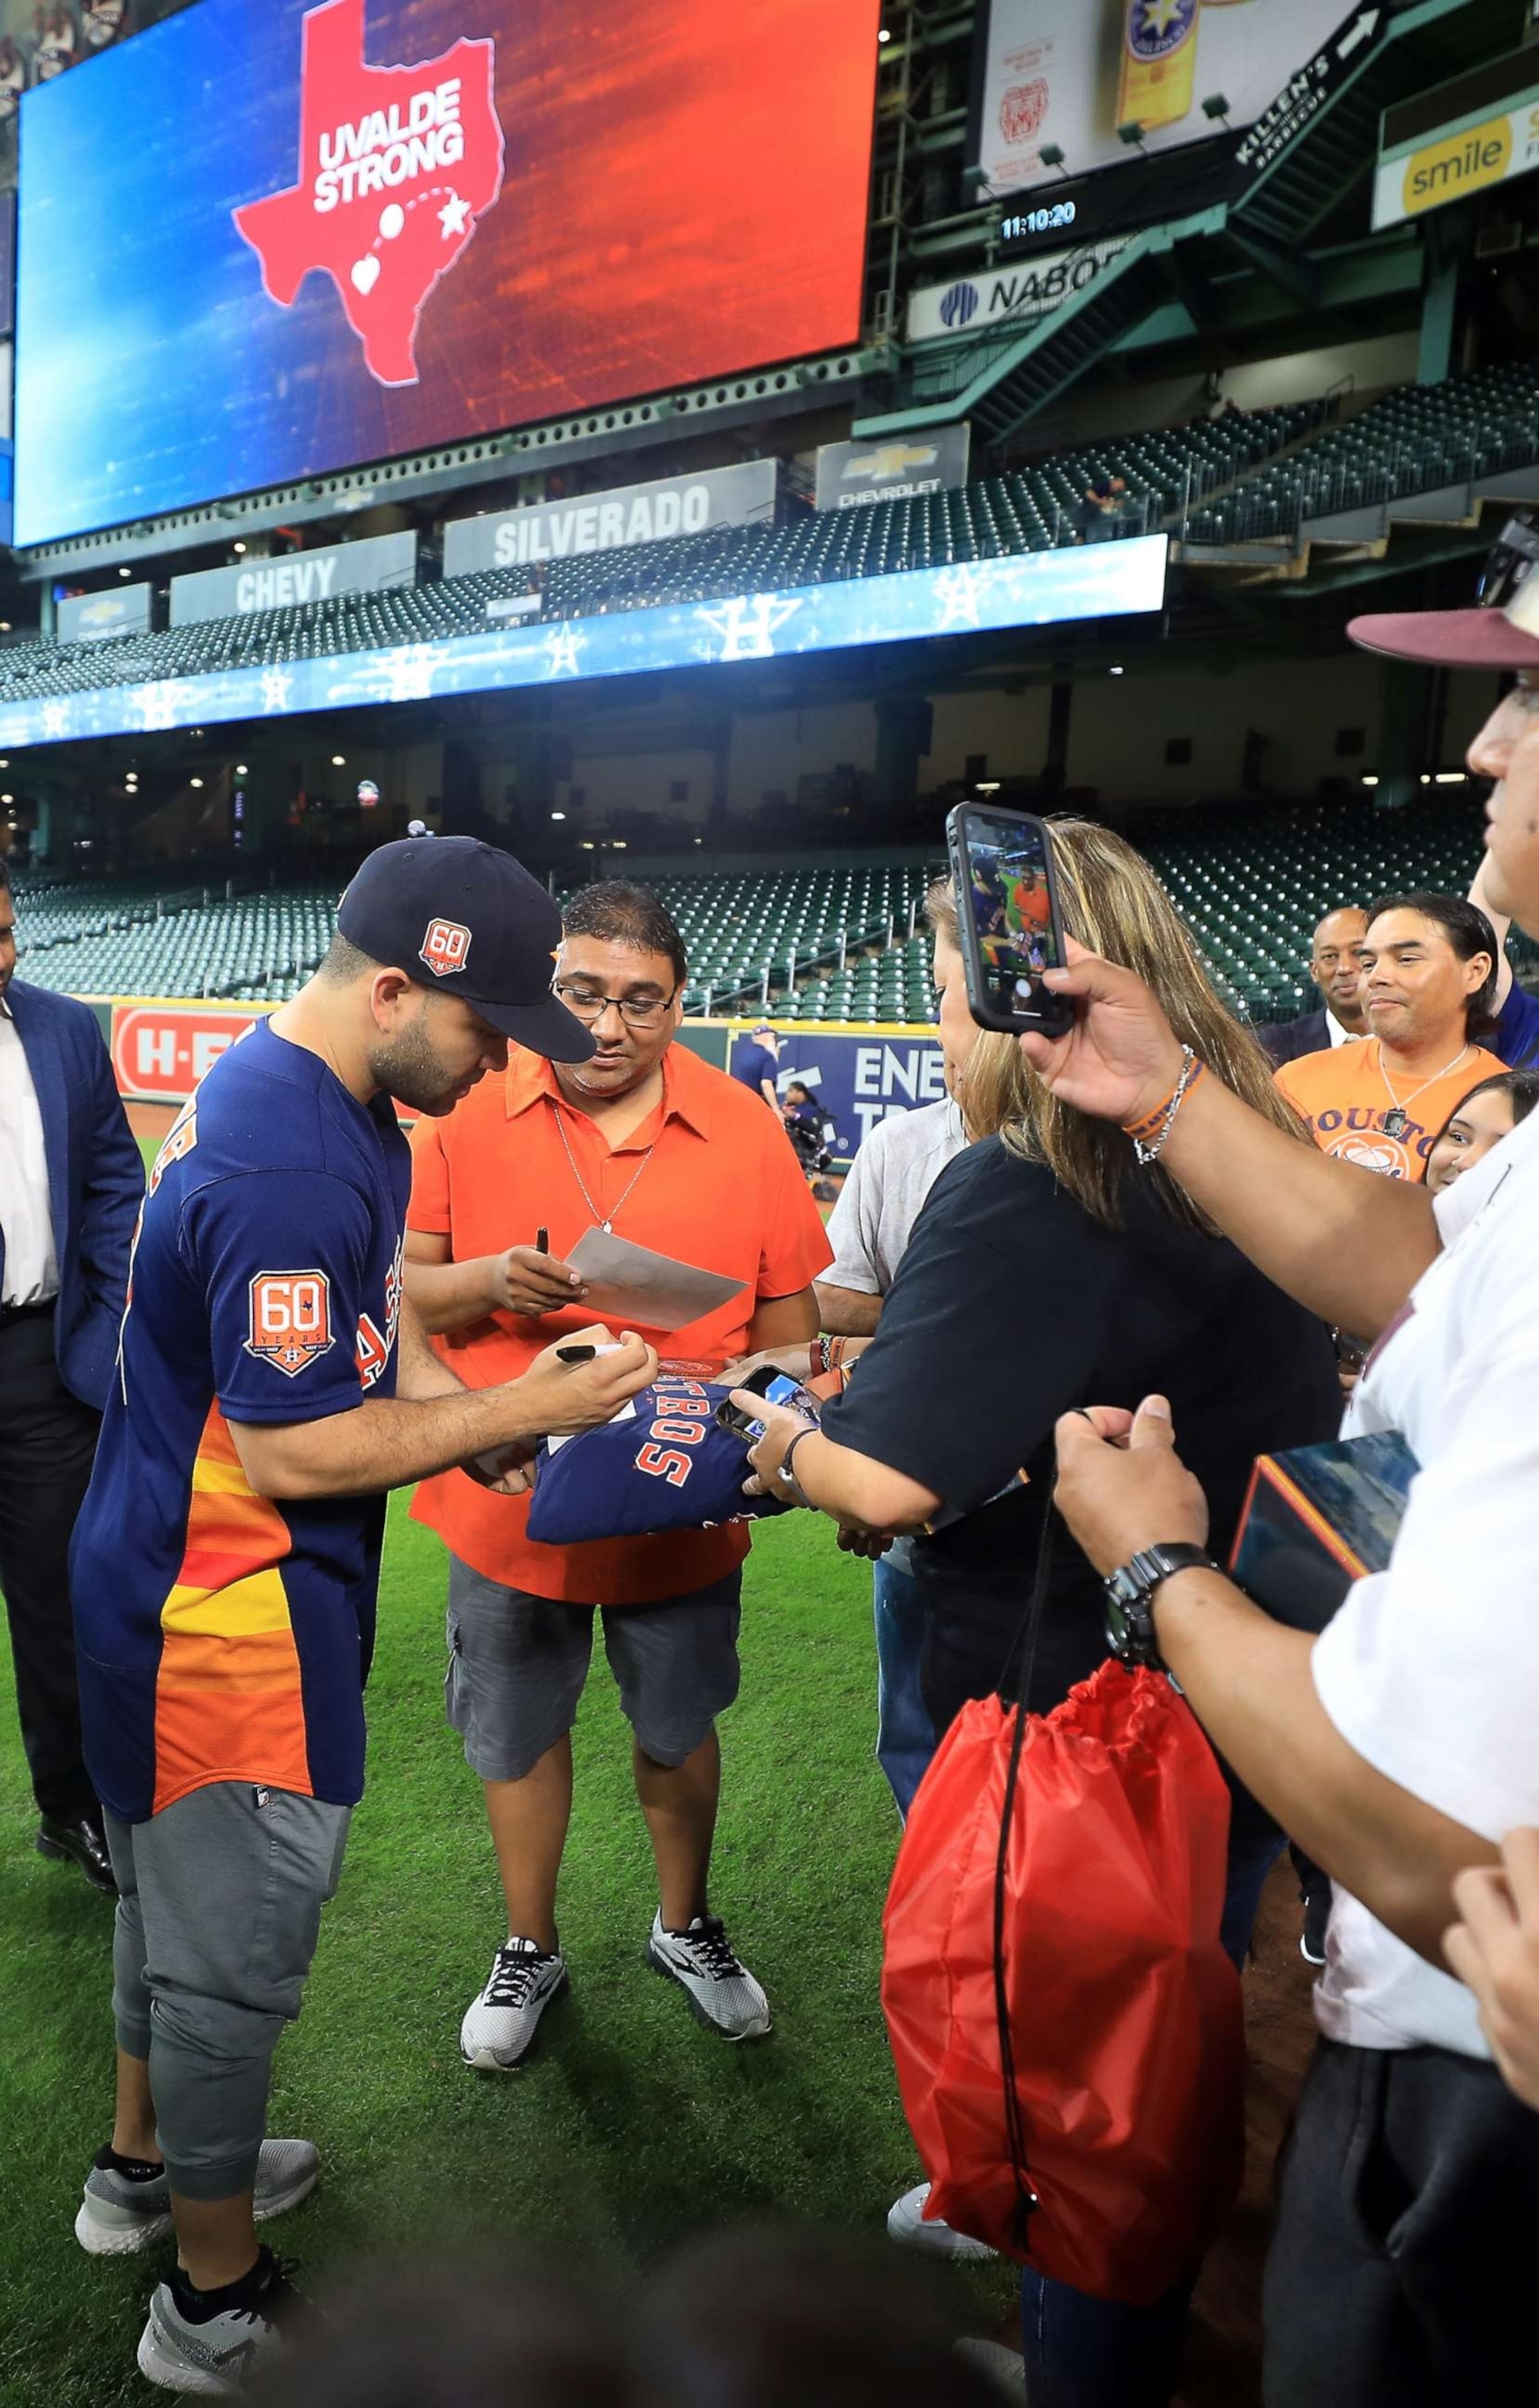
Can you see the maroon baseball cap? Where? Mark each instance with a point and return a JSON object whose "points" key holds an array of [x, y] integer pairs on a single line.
{"points": [[1449, 640], [1501, 633]]}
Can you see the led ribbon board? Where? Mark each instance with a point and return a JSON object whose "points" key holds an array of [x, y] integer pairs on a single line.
{"points": [[1037, 589]]}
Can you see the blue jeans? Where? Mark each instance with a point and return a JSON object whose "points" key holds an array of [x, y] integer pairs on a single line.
{"points": [[905, 1736], [1085, 2353]]}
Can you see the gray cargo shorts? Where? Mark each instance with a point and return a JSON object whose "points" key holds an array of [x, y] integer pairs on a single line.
{"points": [[518, 1663]]}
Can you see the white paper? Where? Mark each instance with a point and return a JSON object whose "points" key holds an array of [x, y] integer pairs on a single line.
{"points": [[633, 1287]]}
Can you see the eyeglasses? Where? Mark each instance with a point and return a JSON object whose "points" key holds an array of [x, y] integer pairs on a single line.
{"points": [[591, 1003]]}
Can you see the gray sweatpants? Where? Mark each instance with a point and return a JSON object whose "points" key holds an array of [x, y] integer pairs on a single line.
{"points": [[218, 1911]]}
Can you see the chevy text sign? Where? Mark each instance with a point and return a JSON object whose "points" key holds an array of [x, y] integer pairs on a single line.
{"points": [[369, 566], [743, 495]]}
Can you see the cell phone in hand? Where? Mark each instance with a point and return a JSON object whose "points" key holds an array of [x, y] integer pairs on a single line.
{"points": [[1008, 919], [776, 1388]]}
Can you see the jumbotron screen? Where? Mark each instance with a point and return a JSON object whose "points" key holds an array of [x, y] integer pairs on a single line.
{"points": [[265, 243]]}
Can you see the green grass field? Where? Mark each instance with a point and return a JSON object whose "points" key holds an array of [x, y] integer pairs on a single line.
{"points": [[632, 2126]]}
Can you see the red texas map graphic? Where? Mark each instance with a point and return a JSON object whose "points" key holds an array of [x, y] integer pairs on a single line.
{"points": [[395, 165]]}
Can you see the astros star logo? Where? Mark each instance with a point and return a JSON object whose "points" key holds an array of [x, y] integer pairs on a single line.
{"points": [[563, 646], [748, 626], [396, 164]]}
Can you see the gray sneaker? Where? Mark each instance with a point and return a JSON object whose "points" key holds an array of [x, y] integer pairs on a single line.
{"points": [[720, 1990], [118, 2216], [500, 2027], [907, 2222], [222, 2357]]}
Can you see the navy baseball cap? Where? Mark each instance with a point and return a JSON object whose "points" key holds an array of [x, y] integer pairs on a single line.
{"points": [[664, 1463], [465, 918]]}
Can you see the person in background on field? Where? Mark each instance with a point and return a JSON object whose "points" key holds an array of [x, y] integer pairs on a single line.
{"points": [[754, 1061], [1489, 1113], [70, 1185], [649, 1143], [1338, 972], [1429, 973]]}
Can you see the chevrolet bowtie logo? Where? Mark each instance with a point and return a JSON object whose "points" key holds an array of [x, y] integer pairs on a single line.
{"points": [[893, 460]]}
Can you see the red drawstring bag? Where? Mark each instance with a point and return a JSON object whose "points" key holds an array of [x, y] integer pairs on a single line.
{"points": [[1066, 2024]]}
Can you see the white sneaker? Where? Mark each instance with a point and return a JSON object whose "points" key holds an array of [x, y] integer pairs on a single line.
{"points": [[118, 2217], [500, 2027], [720, 1990], [906, 2222], [224, 2356]]}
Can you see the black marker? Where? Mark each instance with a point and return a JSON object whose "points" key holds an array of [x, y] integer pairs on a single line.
{"points": [[542, 1241], [576, 1353]]}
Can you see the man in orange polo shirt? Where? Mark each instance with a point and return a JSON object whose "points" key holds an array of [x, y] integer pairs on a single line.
{"points": [[651, 1142]]}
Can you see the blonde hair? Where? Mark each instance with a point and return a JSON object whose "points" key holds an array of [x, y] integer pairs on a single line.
{"points": [[1113, 902]]}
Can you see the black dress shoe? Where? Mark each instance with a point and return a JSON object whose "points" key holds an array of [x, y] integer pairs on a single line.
{"points": [[83, 1843]]}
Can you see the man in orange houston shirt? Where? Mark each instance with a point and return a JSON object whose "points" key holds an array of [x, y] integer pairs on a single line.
{"points": [[652, 1142]]}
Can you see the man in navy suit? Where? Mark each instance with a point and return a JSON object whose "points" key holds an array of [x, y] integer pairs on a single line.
{"points": [[70, 1184], [1333, 967]]}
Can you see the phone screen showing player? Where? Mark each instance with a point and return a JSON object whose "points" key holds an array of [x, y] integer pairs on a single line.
{"points": [[1011, 930]]}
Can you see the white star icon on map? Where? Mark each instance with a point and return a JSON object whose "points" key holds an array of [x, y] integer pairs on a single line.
{"points": [[55, 721], [562, 648], [454, 216], [956, 592]]}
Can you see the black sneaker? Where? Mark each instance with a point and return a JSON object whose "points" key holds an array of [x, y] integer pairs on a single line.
{"points": [[221, 2354]]}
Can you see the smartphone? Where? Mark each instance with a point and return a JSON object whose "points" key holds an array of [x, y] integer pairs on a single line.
{"points": [[776, 1388], [1007, 914]]}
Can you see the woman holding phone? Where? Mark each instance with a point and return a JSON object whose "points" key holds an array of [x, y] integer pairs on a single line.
{"points": [[1049, 1271]]}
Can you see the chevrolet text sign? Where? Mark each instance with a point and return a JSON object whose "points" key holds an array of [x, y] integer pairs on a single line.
{"points": [[739, 496], [365, 568], [850, 474], [93, 617]]}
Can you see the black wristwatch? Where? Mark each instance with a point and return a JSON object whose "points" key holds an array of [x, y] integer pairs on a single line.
{"points": [[1130, 1595]]}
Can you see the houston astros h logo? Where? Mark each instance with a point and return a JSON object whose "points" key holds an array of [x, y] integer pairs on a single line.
{"points": [[396, 165]]}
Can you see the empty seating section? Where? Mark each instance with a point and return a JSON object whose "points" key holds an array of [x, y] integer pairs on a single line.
{"points": [[1413, 441], [1252, 887], [834, 940], [775, 939], [1169, 475], [251, 948]]}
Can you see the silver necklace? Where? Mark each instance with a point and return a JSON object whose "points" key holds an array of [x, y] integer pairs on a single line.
{"points": [[1397, 1120], [606, 1225]]}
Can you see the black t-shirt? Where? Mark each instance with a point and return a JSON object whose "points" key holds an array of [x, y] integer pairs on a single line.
{"points": [[1011, 1306]]}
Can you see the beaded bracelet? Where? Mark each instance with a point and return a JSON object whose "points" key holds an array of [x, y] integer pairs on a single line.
{"points": [[826, 1355], [1150, 1135]]}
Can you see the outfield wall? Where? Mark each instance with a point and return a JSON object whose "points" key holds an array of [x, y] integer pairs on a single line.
{"points": [[162, 1046]]}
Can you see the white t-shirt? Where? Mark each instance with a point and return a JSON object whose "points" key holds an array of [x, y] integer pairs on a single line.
{"points": [[1430, 1670], [899, 1162]]}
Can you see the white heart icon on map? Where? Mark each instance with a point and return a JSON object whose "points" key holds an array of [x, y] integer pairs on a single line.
{"points": [[366, 272]]}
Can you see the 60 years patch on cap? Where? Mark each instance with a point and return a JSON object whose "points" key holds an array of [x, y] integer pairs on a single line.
{"points": [[465, 918]]}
